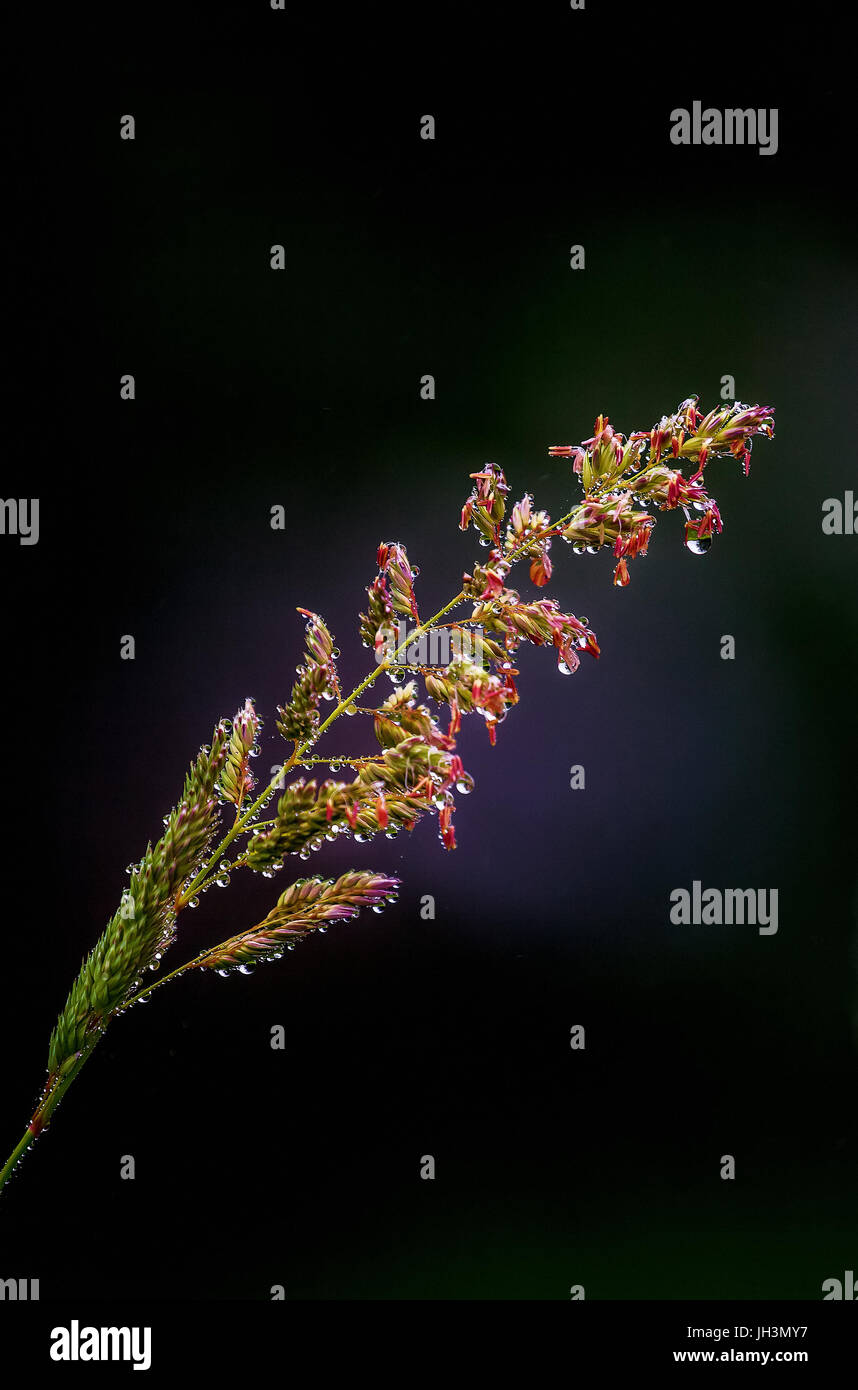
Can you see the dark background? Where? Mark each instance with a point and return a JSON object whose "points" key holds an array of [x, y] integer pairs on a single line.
{"points": [[450, 1037]]}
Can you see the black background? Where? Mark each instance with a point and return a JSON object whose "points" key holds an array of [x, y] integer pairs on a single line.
{"points": [[407, 1037]]}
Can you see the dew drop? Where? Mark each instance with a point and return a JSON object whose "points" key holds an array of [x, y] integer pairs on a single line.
{"points": [[698, 545], [245, 970], [194, 902]]}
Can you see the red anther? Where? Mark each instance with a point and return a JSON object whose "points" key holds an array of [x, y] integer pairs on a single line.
{"points": [[540, 570], [494, 585]]}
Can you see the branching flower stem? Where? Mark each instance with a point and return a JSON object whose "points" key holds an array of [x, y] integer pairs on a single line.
{"points": [[58, 1086], [243, 822], [417, 768]]}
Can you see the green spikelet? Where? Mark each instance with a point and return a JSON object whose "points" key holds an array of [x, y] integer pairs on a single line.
{"points": [[235, 778], [144, 925], [308, 904], [317, 680]]}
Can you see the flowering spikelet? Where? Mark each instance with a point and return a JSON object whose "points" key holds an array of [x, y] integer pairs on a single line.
{"points": [[377, 622], [526, 536], [612, 519], [392, 591], [486, 507], [305, 813], [235, 778], [317, 680], [407, 779], [305, 906], [469, 687], [398, 718], [622, 477], [541, 623], [144, 926]]}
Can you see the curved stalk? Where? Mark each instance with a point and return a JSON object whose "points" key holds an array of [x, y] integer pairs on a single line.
{"points": [[57, 1086]]}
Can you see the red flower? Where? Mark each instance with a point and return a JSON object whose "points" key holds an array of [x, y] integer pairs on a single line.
{"points": [[448, 834], [540, 569], [455, 770], [494, 585], [455, 717]]}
